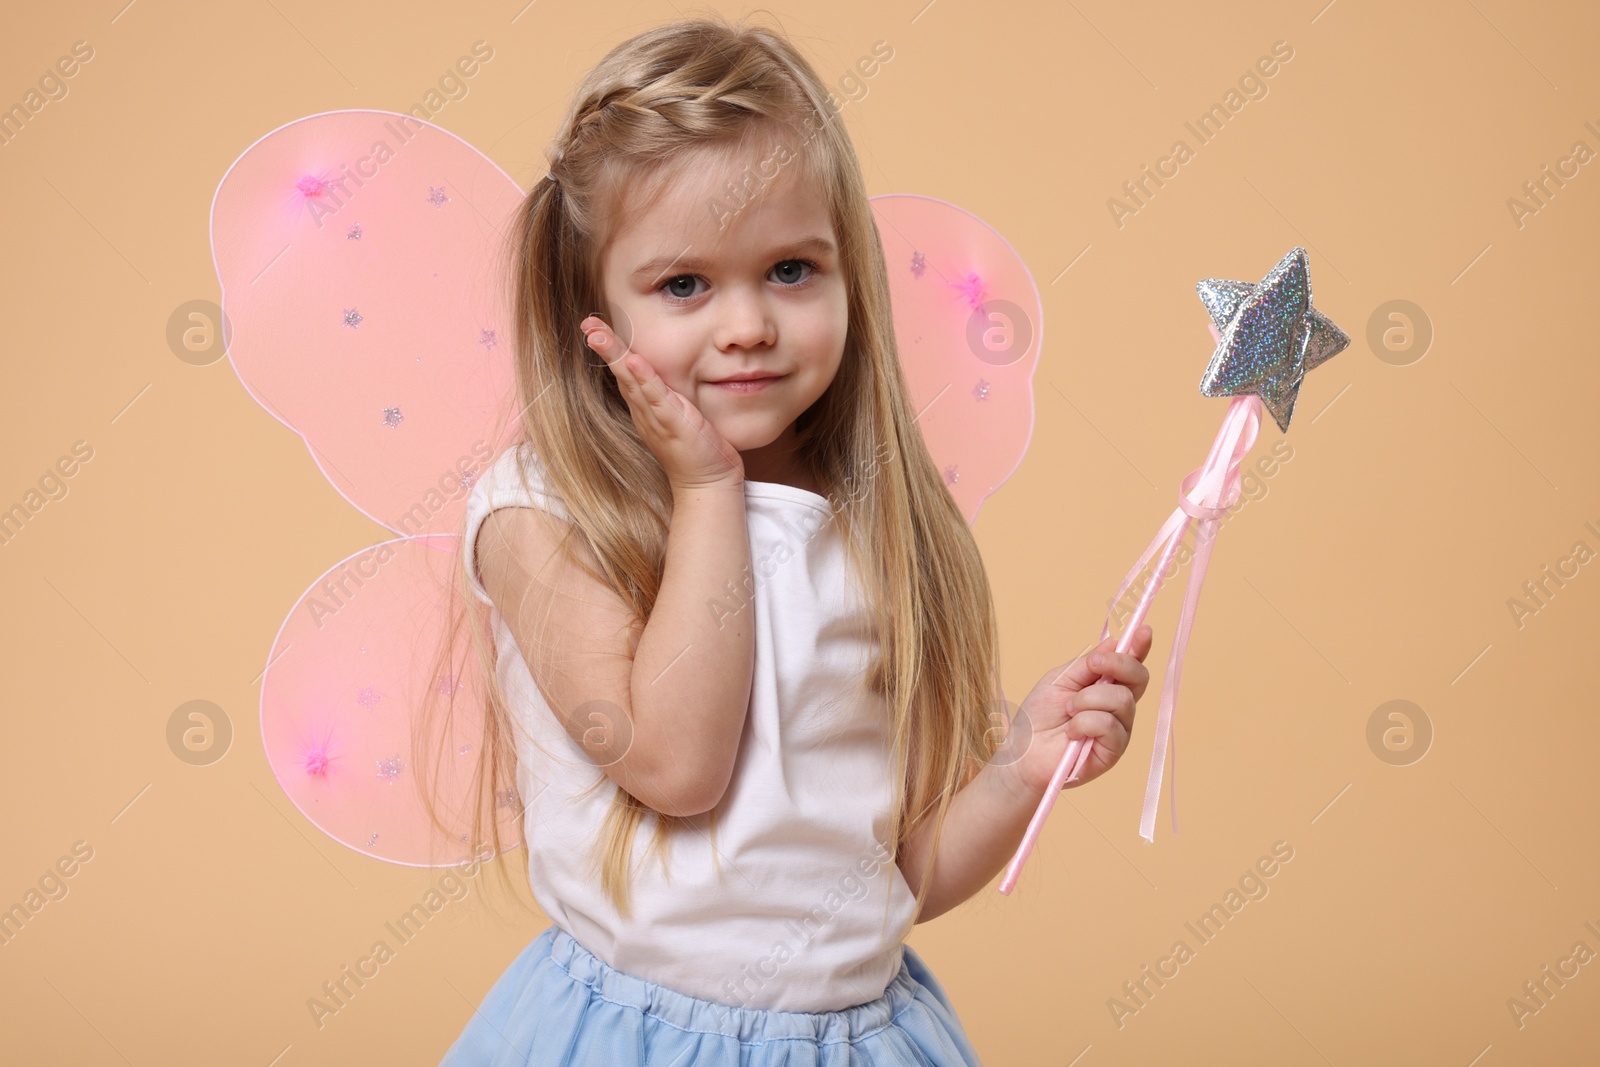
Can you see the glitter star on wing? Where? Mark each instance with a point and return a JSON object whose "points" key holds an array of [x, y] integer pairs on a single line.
{"points": [[1271, 336]]}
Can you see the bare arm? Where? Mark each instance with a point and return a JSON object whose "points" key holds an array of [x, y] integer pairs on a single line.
{"points": [[695, 663], [1092, 697], [982, 829], [679, 686]]}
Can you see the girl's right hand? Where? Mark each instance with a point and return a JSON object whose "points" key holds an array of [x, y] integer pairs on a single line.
{"points": [[689, 448]]}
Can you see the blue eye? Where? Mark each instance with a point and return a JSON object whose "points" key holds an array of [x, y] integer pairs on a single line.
{"points": [[673, 297], [806, 263], [670, 282]]}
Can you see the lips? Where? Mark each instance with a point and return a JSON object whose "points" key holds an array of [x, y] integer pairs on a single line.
{"points": [[748, 383], [752, 376]]}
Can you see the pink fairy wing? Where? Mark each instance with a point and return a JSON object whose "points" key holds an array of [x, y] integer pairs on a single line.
{"points": [[968, 324], [362, 260], [352, 666], [361, 256]]}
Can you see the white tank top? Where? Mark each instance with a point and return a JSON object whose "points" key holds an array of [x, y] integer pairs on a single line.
{"points": [[791, 915]]}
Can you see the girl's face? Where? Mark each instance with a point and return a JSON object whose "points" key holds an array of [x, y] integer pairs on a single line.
{"points": [[707, 291]]}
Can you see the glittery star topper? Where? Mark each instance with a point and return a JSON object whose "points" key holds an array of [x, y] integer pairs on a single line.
{"points": [[1271, 335]]}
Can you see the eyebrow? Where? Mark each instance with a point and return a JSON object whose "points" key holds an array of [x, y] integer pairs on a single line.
{"points": [[686, 264]]}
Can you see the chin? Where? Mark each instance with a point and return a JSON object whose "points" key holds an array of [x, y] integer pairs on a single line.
{"points": [[745, 437]]}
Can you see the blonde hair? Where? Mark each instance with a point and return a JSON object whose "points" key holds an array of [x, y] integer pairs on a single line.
{"points": [[655, 99]]}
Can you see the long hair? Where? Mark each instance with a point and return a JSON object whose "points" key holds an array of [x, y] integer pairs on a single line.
{"points": [[701, 85]]}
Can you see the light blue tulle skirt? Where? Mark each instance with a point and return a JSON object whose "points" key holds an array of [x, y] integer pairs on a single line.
{"points": [[558, 1005]]}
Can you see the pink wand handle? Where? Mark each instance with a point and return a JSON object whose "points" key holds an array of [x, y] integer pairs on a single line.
{"points": [[1126, 642], [1206, 495], [1072, 759]]}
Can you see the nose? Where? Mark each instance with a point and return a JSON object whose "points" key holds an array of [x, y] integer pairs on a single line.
{"points": [[744, 320]]}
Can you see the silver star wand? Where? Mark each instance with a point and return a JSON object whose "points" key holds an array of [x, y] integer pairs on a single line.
{"points": [[1268, 336]]}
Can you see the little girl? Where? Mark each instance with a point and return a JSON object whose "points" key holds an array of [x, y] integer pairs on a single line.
{"points": [[734, 604]]}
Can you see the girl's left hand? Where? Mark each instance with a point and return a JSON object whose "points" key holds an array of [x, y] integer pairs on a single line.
{"points": [[1070, 702]]}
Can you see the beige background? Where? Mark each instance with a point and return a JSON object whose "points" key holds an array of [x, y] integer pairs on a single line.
{"points": [[1377, 566]]}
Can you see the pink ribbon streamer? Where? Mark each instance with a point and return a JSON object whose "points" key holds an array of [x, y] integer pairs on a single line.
{"points": [[1204, 497]]}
